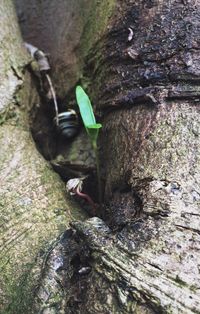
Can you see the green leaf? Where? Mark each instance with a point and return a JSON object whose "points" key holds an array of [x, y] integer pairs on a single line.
{"points": [[85, 107], [91, 126], [87, 114]]}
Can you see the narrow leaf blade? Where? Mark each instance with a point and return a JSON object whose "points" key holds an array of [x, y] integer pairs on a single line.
{"points": [[85, 107]]}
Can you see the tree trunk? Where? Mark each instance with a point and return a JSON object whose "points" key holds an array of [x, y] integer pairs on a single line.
{"points": [[34, 208], [147, 91], [147, 88], [143, 76]]}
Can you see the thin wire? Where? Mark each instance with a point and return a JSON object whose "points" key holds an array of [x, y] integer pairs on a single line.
{"points": [[54, 96]]}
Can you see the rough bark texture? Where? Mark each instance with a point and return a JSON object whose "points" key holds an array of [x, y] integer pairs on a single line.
{"points": [[33, 205], [148, 91], [145, 257]]}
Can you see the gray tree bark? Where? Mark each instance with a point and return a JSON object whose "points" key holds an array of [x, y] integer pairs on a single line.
{"points": [[144, 256], [147, 83], [33, 204]]}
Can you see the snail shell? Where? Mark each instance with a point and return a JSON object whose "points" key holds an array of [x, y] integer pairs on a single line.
{"points": [[68, 123]]}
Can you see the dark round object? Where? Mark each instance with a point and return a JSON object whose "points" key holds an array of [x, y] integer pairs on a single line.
{"points": [[68, 123]]}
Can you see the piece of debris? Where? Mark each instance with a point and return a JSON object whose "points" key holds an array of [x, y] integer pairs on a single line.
{"points": [[74, 187], [84, 270], [73, 184], [39, 56], [132, 53], [130, 36]]}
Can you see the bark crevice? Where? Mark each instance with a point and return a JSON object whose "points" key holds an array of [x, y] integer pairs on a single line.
{"points": [[144, 257]]}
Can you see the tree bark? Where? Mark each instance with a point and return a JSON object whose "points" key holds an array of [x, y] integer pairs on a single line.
{"points": [[144, 257], [148, 92], [34, 209]]}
